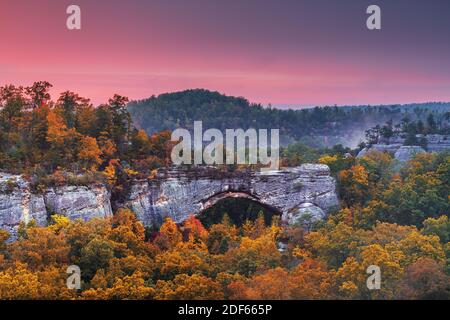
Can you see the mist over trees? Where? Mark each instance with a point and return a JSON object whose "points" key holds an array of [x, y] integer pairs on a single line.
{"points": [[316, 127]]}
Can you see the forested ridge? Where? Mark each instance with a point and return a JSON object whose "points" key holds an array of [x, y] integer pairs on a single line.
{"points": [[317, 127]]}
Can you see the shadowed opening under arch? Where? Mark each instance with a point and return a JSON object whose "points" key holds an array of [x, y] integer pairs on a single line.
{"points": [[239, 206]]}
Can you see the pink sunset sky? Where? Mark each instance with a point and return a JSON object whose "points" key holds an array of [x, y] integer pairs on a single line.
{"points": [[281, 52]]}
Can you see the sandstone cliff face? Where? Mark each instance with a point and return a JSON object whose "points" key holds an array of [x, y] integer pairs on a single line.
{"points": [[395, 145], [18, 203], [294, 193], [178, 194], [307, 212], [406, 153], [437, 142], [79, 202]]}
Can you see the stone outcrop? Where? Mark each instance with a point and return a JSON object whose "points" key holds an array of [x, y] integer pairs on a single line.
{"points": [[434, 143], [437, 142], [79, 202], [392, 148], [18, 203], [176, 193], [306, 211], [406, 153]]}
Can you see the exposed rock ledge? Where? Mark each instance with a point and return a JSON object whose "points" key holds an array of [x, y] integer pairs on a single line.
{"points": [[18, 203], [176, 193], [395, 145], [406, 153], [401, 153]]}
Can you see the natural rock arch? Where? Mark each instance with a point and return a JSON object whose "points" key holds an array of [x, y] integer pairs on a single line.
{"points": [[179, 193], [176, 193]]}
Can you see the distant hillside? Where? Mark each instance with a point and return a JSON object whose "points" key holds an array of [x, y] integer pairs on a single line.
{"points": [[320, 126]]}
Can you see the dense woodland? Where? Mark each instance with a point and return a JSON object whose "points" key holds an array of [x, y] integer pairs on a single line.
{"points": [[71, 141], [414, 132], [397, 221], [316, 127], [394, 217]]}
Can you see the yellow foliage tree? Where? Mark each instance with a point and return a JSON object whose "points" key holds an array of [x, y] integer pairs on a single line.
{"points": [[90, 153], [185, 287]]}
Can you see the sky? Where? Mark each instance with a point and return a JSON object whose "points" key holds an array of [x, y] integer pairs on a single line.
{"points": [[283, 52]]}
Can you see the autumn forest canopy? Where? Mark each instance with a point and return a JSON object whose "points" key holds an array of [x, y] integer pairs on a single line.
{"points": [[70, 139], [392, 216]]}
